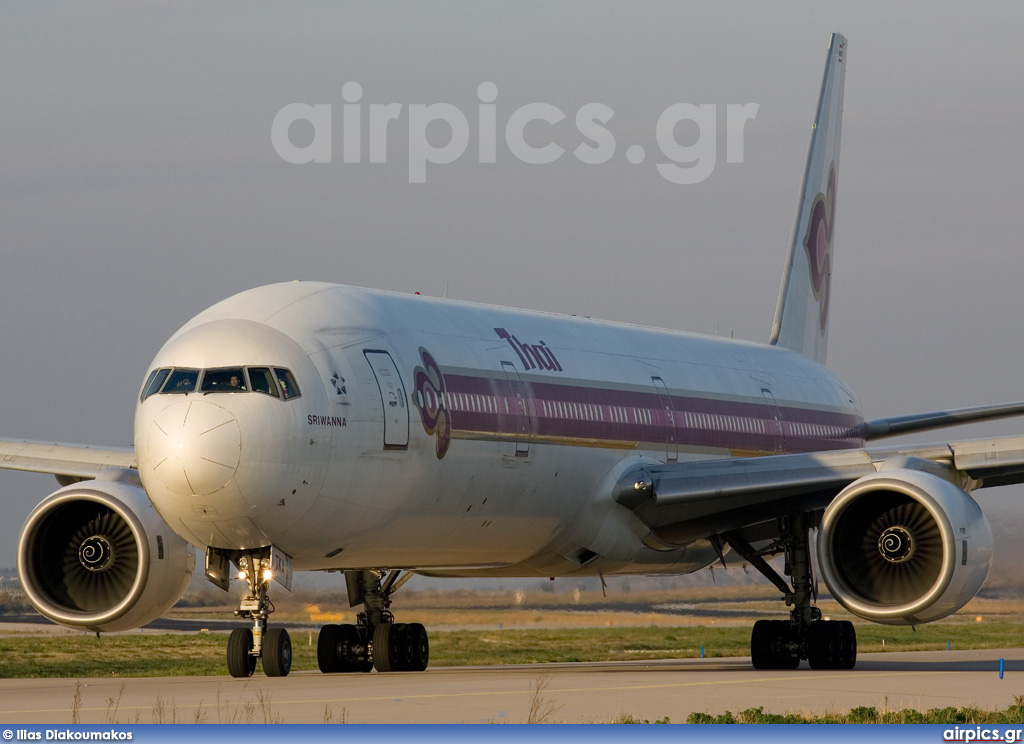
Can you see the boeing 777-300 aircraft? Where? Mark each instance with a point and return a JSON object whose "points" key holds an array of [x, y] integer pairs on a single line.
{"points": [[314, 427]]}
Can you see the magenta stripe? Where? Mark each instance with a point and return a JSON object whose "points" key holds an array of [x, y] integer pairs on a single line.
{"points": [[484, 406]]}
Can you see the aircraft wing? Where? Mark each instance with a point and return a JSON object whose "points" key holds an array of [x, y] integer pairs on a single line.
{"points": [[689, 500], [69, 462], [896, 425]]}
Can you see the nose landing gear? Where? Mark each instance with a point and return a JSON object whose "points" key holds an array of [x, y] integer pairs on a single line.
{"points": [[375, 641], [245, 646]]}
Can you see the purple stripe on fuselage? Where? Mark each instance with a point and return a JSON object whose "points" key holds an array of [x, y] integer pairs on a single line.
{"points": [[482, 406]]}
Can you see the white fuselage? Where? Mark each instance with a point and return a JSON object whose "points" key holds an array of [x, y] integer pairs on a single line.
{"points": [[454, 438]]}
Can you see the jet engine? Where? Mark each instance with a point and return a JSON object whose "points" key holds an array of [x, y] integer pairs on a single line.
{"points": [[904, 547], [97, 555]]}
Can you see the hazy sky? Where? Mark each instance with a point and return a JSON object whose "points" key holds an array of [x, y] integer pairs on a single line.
{"points": [[139, 185]]}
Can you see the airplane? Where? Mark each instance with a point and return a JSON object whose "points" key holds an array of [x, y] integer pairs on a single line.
{"points": [[307, 426]]}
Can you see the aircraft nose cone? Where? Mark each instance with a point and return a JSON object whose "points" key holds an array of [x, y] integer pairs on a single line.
{"points": [[194, 446]]}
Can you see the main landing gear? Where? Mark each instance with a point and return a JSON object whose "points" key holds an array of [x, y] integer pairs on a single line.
{"points": [[245, 646], [781, 644], [376, 641]]}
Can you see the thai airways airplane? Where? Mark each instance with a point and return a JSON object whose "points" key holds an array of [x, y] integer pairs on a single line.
{"points": [[314, 427]]}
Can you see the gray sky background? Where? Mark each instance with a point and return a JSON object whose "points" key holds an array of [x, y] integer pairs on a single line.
{"points": [[138, 185]]}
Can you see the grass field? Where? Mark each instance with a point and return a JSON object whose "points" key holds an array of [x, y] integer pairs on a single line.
{"points": [[1014, 714], [150, 654], [479, 628]]}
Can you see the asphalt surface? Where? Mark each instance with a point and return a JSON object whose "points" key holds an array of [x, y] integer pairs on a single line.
{"points": [[568, 693]]}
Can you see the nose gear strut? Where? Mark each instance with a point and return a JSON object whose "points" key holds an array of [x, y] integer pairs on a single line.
{"points": [[245, 646]]}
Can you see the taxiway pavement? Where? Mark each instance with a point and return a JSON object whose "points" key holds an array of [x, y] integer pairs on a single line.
{"points": [[569, 693]]}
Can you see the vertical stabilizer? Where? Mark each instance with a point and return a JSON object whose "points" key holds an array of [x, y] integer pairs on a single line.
{"points": [[801, 317]]}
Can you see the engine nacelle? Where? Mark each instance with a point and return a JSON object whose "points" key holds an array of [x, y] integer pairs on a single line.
{"points": [[904, 547], [97, 555]]}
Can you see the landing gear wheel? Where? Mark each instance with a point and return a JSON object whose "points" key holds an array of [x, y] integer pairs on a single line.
{"points": [[420, 647], [342, 648], [241, 663], [352, 655], [401, 647], [848, 644], [277, 653], [327, 656], [357, 653], [831, 644], [772, 645], [383, 648]]}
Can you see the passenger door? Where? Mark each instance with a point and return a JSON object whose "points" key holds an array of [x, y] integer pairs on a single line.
{"points": [[671, 436], [521, 412], [392, 398]]}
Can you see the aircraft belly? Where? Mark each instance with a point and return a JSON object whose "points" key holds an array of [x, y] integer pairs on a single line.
{"points": [[399, 508], [415, 541]]}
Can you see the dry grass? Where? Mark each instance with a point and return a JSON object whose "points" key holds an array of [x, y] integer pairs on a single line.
{"points": [[542, 708], [465, 609], [730, 606]]}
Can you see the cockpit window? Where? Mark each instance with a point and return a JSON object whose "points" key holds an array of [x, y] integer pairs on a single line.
{"points": [[155, 381], [275, 381], [263, 381], [227, 380], [286, 382], [182, 381]]}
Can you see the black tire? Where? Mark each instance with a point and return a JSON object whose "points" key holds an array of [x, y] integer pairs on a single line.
{"points": [[770, 645], [241, 663], [361, 655], [364, 665], [831, 644], [819, 645], [327, 657], [401, 647], [787, 655], [277, 652], [420, 647], [383, 660], [351, 650], [761, 645], [848, 643]]}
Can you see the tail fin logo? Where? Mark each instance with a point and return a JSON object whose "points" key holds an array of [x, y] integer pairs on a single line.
{"points": [[818, 244]]}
